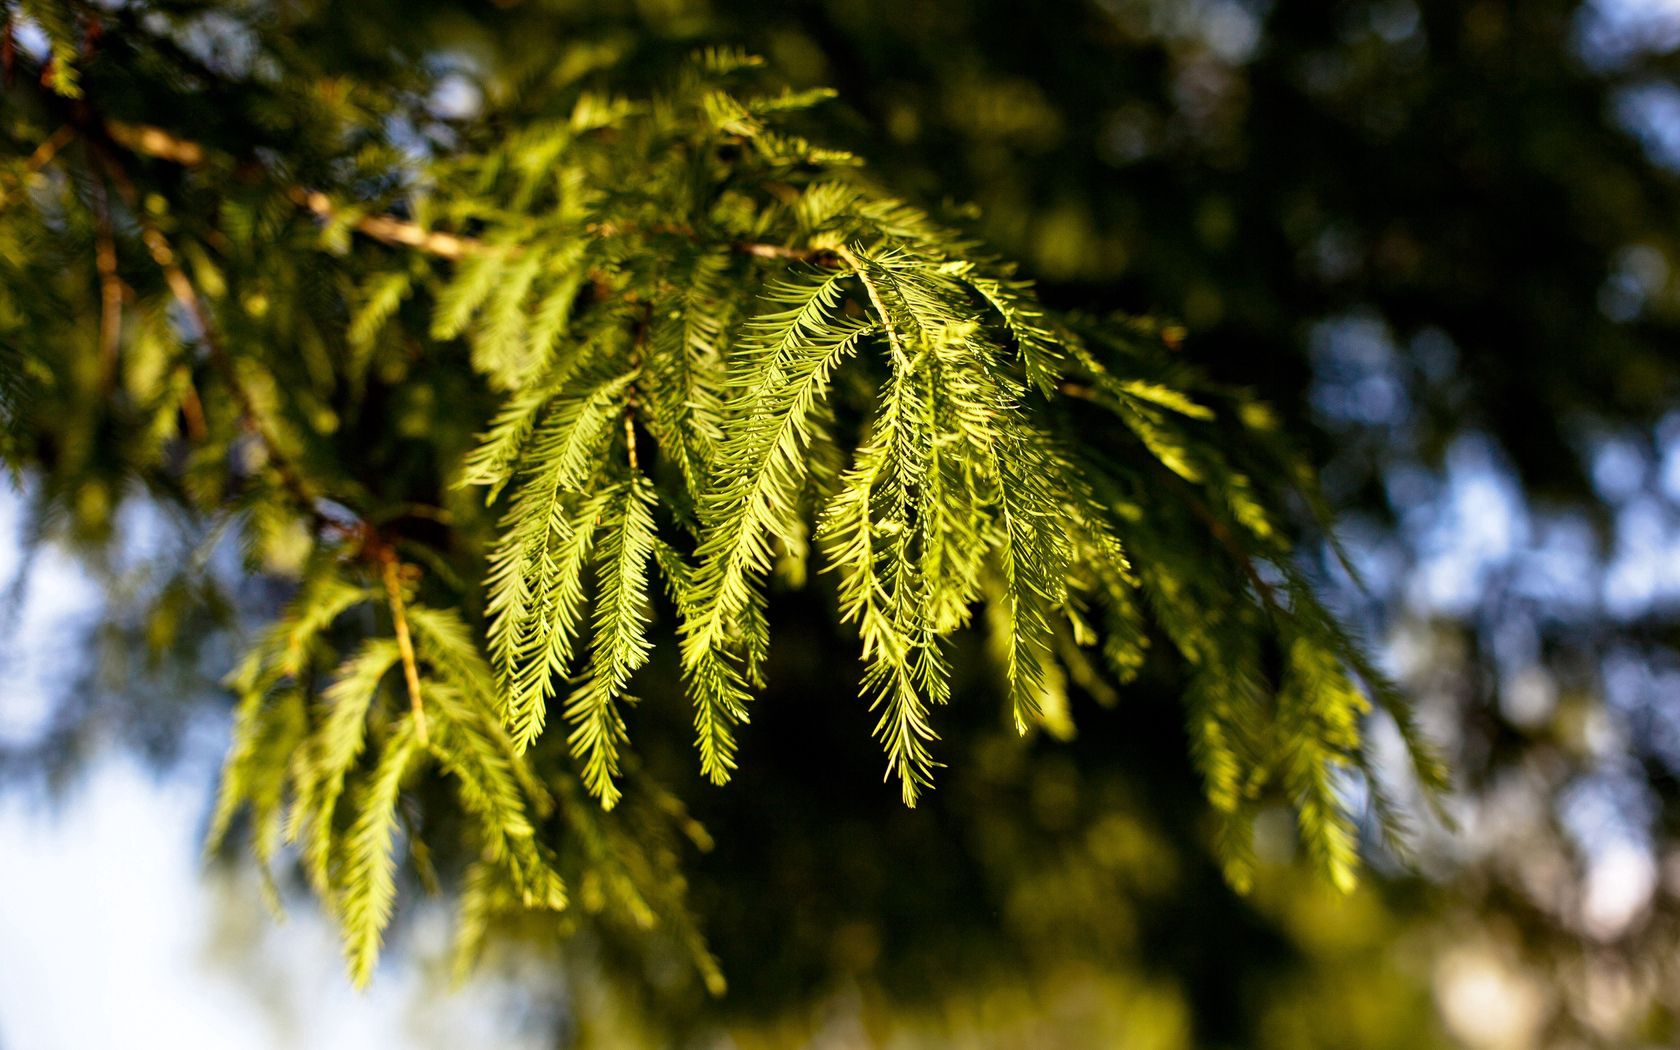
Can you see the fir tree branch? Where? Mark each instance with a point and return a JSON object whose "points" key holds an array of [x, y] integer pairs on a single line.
{"points": [[372, 544], [626, 276]]}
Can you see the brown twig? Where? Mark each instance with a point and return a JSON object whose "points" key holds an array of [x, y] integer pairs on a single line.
{"points": [[48, 149], [181, 287], [155, 142], [630, 436], [192, 409], [392, 572], [638, 341], [760, 250], [110, 291], [151, 141], [43, 155], [389, 230], [1222, 533]]}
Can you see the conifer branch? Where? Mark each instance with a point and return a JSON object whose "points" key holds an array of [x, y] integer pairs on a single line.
{"points": [[369, 878], [679, 276]]}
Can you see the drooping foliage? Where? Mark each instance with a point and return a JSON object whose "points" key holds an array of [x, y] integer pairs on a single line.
{"points": [[710, 359]]}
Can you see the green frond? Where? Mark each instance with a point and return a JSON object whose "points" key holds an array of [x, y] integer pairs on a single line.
{"points": [[469, 744], [493, 462], [499, 340], [551, 320], [904, 670], [537, 595], [271, 724], [483, 896], [1225, 707], [451, 655], [332, 751], [725, 61], [380, 297], [446, 643], [1314, 621], [620, 645], [1319, 711], [685, 370], [1032, 560], [789, 356], [284, 649], [1040, 353], [267, 729], [719, 693], [1164, 396], [1162, 440], [565, 449], [460, 299], [367, 885]]}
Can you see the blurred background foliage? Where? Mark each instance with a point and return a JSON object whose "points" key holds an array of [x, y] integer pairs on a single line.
{"points": [[1440, 236]]}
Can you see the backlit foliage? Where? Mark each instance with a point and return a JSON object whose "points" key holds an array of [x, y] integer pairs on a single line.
{"points": [[713, 359]]}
